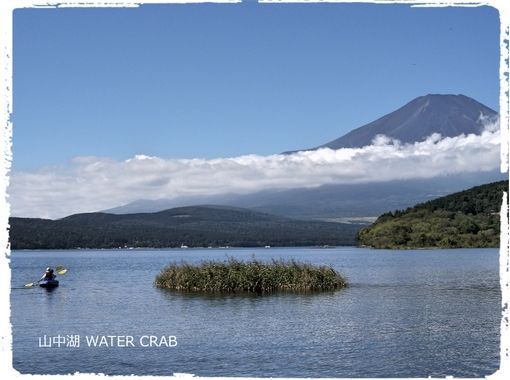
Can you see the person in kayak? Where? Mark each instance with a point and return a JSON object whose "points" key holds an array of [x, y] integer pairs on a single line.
{"points": [[48, 275]]}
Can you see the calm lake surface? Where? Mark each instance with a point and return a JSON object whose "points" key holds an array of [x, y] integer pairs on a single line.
{"points": [[405, 314]]}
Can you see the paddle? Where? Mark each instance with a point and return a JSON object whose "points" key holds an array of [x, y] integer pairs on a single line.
{"points": [[59, 269]]}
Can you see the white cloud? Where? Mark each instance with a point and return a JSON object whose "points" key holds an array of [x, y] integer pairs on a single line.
{"points": [[95, 183]]}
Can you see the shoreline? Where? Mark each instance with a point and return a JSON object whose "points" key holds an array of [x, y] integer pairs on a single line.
{"points": [[252, 248]]}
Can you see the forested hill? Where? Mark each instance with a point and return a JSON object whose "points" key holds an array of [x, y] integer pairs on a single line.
{"points": [[200, 226], [470, 218]]}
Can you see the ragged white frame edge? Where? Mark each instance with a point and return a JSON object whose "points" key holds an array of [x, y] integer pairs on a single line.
{"points": [[6, 37]]}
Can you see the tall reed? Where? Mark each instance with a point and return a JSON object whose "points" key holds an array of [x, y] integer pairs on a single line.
{"points": [[254, 276]]}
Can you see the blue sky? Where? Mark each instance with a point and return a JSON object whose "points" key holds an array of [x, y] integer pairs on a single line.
{"points": [[219, 80]]}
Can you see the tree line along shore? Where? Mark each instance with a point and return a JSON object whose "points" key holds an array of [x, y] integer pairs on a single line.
{"points": [[466, 219]]}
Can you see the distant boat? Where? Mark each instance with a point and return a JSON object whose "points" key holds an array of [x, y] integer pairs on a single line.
{"points": [[267, 246], [184, 246]]}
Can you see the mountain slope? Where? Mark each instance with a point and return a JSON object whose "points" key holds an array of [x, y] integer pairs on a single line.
{"points": [[449, 115], [329, 201], [193, 226], [466, 219]]}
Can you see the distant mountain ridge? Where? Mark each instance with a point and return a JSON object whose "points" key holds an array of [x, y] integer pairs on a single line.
{"points": [[449, 115], [200, 226], [327, 202]]}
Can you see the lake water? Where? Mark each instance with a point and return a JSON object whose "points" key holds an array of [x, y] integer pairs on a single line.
{"points": [[405, 314]]}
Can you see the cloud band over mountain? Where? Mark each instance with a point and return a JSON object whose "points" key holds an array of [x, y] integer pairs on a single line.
{"points": [[95, 183]]}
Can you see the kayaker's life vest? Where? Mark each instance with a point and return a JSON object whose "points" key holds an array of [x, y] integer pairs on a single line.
{"points": [[49, 275]]}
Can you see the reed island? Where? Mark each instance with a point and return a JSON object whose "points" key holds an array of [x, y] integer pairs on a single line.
{"points": [[253, 276]]}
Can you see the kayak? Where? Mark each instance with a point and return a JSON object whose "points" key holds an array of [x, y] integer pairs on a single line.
{"points": [[48, 283]]}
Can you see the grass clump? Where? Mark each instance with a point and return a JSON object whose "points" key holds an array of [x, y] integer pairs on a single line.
{"points": [[254, 276]]}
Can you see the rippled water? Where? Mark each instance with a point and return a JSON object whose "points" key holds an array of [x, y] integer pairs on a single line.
{"points": [[405, 314]]}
